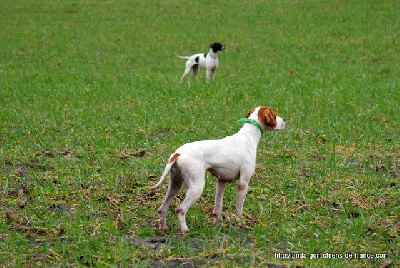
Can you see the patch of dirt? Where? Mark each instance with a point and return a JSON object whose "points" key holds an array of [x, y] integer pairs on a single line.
{"points": [[20, 169], [158, 243], [359, 201], [180, 262], [59, 208], [22, 225], [38, 162], [19, 191], [159, 248], [127, 153]]}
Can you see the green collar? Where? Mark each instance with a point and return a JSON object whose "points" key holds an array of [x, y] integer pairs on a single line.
{"points": [[253, 122]]}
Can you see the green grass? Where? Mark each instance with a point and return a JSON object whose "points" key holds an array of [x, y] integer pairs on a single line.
{"points": [[91, 108]]}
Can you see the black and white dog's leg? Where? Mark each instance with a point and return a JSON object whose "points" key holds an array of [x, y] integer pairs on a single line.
{"points": [[213, 70], [208, 74], [187, 70], [195, 70]]}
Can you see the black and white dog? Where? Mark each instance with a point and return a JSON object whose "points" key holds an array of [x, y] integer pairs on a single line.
{"points": [[208, 61]]}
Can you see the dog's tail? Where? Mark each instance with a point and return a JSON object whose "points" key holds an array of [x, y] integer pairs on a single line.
{"points": [[183, 57], [171, 161]]}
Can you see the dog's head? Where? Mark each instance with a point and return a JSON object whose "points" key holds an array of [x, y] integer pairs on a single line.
{"points": [[267, 117], [217, 47]]}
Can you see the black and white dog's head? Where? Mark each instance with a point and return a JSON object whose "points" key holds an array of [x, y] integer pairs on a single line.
{"points": [[217, 47]]}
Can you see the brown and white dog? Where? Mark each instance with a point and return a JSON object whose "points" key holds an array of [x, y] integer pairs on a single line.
{"points": [[228, 159]]}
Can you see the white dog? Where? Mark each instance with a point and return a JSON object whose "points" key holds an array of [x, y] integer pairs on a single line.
{"points": [[228, 159], [208, 61]]}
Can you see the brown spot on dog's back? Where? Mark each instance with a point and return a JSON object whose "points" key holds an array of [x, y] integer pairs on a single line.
{"points": [[173, 158], [267, 116]]}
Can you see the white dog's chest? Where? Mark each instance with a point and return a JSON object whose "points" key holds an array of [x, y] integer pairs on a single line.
{"points": [[225, 174], [205, 61]]}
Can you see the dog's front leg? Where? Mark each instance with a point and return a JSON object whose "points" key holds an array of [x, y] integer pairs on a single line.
{"points": [[213, 70], [241, 195], [208, 74], [219, 196]]}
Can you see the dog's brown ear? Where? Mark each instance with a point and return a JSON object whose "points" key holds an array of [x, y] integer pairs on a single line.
{"points": [[250, 112], [267, 116]]}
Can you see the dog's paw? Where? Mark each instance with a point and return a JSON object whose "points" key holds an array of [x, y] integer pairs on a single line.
{"points": [[185, 231], [164, 229], [216, 220]]}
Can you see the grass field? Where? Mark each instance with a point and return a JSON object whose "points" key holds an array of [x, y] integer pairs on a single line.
{"points": [[91, 109]]}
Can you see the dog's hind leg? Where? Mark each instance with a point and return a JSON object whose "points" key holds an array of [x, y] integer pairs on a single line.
{"points": [[174, 186], [192, 194], [195, 69], [187, 69], [184, 74], [195, 182]]}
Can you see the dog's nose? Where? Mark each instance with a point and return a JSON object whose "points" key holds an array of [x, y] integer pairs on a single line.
{"points": [[284, 120]]}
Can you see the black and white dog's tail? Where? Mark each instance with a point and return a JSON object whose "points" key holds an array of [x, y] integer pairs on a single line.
{"points": [[183, 57]]}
